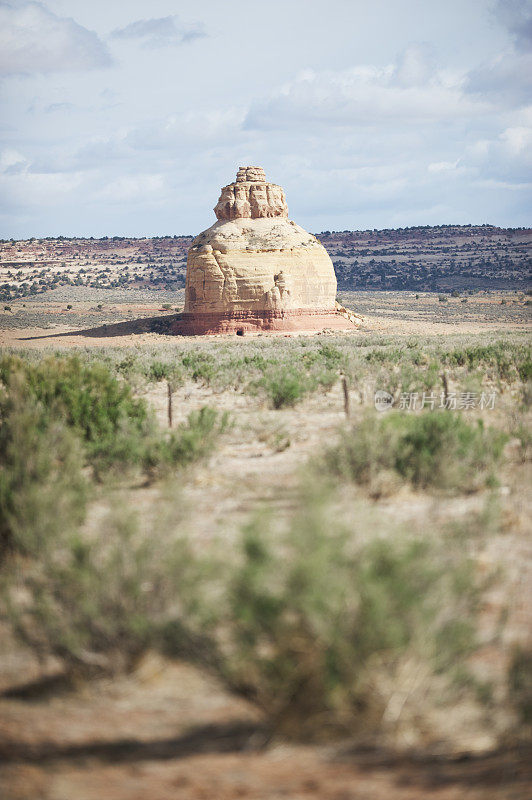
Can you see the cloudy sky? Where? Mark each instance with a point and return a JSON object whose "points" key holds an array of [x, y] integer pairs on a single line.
{"points": [[126, 118]]}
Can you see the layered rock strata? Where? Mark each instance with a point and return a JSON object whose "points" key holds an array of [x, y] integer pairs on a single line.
{"points": [[255, 269]]}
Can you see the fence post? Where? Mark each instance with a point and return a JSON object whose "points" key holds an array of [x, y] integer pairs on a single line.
{"points": [[445, 386], [346, 395], [169, 404]]}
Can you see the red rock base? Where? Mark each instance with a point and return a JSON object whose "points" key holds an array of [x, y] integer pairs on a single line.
{"points": [[242, 322]]}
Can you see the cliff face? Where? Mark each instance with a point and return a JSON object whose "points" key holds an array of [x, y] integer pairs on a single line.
{"points": [[258, 264], [256, 268]]}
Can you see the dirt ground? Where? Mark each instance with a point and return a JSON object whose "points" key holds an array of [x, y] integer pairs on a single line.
{"points": [[168, 732], [102, 318], [171, 732]]}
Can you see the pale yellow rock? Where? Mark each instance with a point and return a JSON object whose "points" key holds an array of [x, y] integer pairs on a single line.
{"points": [[250, 196], [254, 258]]}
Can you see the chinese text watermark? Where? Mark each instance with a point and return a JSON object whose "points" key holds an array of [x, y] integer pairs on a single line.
{"points": [[450, 401]]}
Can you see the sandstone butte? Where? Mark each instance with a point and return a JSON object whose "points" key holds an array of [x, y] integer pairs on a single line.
{"points": [[256, 270]]}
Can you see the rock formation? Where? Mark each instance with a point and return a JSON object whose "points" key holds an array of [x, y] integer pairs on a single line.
{"points": [[255, 269], [251, 197]]}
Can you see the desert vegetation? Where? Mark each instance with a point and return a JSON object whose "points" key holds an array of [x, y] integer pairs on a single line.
{"points": [[436, 449], [439, 258], [331, 607]]}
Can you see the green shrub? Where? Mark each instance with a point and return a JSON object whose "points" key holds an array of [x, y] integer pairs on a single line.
{"points": [[116, 429], [157, 371], [200, 366], [128, 367], [411, 378], [155, 454], [41, 480], [97, 601], [284, 387], [505, 357], [331, 355], [435, 449], [326, 378], [377, 356], [256, 360], [195, 438], [172, 373], [87, 396], [311, 618], [525, 370]]}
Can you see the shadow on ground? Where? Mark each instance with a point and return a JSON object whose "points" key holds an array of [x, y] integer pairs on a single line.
{"points": [[511, 767], [504, 767], [162, 325], [228, 738]]}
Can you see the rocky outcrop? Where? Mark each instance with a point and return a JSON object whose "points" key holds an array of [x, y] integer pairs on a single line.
{"points": [[356, 319], [251, 197], [256, 269]]}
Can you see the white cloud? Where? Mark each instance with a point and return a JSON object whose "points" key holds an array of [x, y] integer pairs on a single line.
{"points": [[361, 139], [518, 141], [161, 32], [507, 157], [516, 16], [415, 66], [191, 128], [33, 39], [11, 161], [506, 79], [54, 108], [443, 166], [411, 91], [133, 189], [29, 190]]}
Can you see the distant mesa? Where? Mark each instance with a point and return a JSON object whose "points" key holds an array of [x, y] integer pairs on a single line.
{"points": [[255, 269]]}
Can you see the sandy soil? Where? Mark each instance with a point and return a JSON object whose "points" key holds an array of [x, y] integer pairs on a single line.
{"points": [[168, 732]]}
